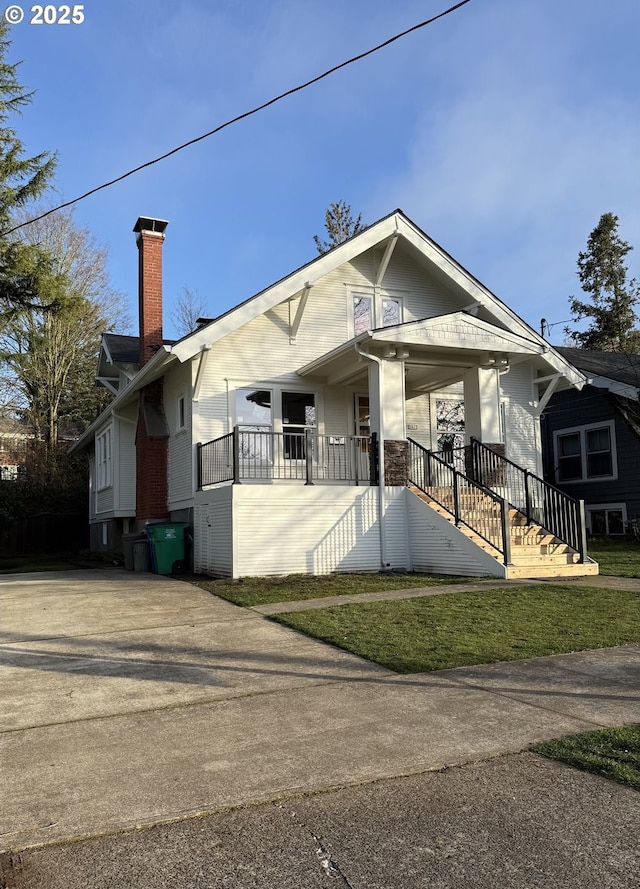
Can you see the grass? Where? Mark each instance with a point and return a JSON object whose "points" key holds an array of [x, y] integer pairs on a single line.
{"points": [[618, 557], [461, 629], [612, 752], [294, 587]]}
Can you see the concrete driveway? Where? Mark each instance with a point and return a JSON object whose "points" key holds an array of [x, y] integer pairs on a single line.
{"points": [[131, 700]]}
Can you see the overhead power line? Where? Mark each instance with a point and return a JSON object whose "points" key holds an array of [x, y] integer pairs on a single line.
{"points": [[228, 123]]}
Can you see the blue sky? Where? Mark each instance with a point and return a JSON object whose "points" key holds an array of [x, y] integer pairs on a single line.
{"points": [[504, 131]]}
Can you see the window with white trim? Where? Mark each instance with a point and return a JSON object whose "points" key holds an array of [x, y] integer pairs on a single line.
{"points": [[586, 453], [606, 518], [104, 465], [371, 311]]}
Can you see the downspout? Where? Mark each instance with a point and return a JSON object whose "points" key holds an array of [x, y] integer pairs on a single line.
{"points": [[381, 478]]}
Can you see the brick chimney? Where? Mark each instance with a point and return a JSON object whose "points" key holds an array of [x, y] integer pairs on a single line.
{"points": [[152, 430], [150, 240]]}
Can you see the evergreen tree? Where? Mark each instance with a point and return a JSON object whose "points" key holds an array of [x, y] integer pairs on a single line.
{"points": [[613, 299], [340, 226], [24, 270]]}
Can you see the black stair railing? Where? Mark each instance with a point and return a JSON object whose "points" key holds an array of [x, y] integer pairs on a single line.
{"points": [[484, 512], [541, 503]]}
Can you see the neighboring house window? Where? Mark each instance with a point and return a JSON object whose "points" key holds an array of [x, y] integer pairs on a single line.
{"points": [[104, 466], [606, 518], [370, 312], [586, 453], [9, 473], [181, 418]]}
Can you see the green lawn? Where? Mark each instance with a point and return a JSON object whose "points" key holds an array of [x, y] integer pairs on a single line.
{"points": [[613, 752], [294, 587], [459, 629], [617, 557]]}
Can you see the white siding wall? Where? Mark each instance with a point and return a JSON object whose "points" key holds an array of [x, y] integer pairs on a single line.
{"points": [[522, 428], [438, 547], [424, 296], [280, 529], [419, 416], [180, 451], [302, 530], [213, 532], [126, 467]]}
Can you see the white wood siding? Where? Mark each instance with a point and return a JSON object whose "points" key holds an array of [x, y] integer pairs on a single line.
{"points": [[179, 451], [127, 467], [395, 527], [418, 412], [522, 433], [213, 532], [298, 530], [437, 547], [424, 296]]}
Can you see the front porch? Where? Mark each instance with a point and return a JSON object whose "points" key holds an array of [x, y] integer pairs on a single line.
{"points": [[277, 503]]}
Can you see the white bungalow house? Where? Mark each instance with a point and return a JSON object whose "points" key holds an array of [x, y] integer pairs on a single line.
{"points": [[376, 409]]}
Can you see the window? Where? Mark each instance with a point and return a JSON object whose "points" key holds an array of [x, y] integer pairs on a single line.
{"points": [[298, 414], [181, 414], [103, 460], [371, 311], [362, 314], [586, 453], [606, 518]]}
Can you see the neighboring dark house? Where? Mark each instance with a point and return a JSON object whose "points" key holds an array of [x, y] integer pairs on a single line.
{"points": [[591, 439]]}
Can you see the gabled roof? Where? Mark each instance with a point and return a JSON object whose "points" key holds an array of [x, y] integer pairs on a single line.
{"points": [[121, 349], [620, 366], [382, 233]]}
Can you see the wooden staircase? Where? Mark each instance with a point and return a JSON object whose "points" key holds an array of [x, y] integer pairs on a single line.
{"points": [[534, 551]]}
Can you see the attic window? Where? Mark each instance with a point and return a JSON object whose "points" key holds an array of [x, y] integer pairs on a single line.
{"points": [[362, 314]]}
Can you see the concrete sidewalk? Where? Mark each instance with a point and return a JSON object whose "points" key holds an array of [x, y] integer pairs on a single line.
{"points": [[134, 700]]}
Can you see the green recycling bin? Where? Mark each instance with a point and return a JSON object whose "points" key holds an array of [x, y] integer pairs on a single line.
{"points": [[167, 546]]}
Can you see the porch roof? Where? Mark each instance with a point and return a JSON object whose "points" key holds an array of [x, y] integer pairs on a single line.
{"points": [[437, 351]]}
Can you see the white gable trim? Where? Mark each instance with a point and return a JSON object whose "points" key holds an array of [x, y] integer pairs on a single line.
{"points": [[457, 330]]}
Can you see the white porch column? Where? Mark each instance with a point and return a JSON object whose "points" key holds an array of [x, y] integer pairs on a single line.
{"points": [[482, 405], [387, 399]]}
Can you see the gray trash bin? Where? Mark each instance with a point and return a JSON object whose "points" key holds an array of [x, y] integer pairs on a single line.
{"points": [[141, 560], [128, 541]]}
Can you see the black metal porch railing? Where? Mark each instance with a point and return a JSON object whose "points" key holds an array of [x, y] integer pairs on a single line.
{"points": [[471, 504], [541, 503], [261, 455]]}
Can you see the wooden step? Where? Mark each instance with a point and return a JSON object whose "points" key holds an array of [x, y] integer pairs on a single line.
{"points": [[515, 572]]}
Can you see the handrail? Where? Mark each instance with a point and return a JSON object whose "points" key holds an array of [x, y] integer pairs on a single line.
{"points": [[540, 502], [300, 455], [480, 509]]}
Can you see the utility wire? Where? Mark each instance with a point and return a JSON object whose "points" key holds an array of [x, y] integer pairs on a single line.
{"points": [[290, 92]]}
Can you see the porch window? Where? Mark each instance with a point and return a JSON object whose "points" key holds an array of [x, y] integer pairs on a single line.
{"points": [[586, 453], [298, 414], [254, 418]]}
